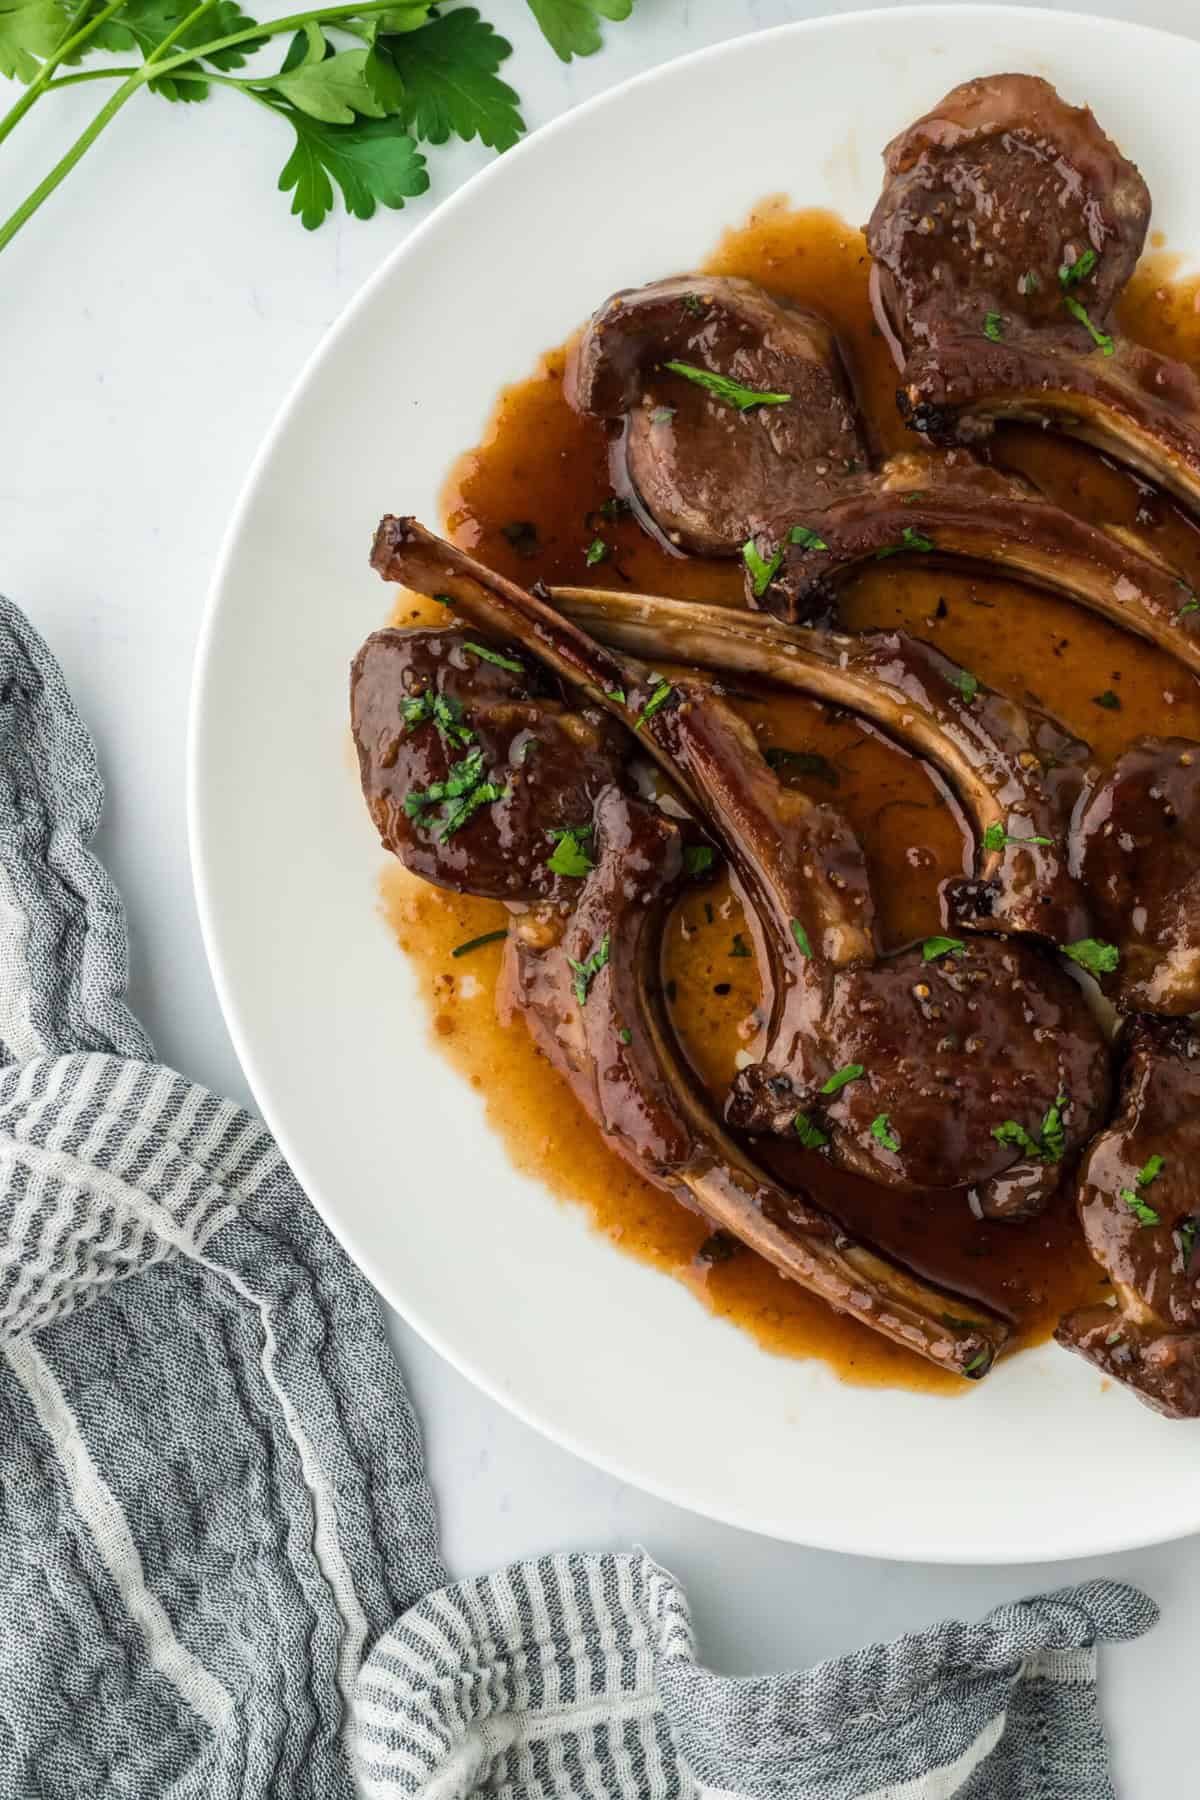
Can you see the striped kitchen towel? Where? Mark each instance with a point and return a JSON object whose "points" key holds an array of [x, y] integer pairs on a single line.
{"points": [[219, 1572]]}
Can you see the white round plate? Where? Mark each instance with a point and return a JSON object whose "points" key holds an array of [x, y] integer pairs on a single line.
{"points": [[613, 1360]]}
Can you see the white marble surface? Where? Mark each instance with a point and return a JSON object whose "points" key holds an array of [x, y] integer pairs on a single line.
{"points": [[150, 321]]}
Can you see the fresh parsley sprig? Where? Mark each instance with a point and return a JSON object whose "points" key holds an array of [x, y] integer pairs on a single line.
{"points": [[359, 85]]}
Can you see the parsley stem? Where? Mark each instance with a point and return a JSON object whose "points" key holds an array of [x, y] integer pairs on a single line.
{"points": [[158, 65], [75, 35]]}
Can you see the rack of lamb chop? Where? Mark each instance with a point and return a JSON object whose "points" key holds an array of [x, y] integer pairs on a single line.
{"points": [[1008, 225]]}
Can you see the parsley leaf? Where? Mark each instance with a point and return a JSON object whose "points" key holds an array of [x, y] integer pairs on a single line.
{"points": [[494, 656], [1142, 1211], [142, 25], [462, 793], [996, 838], [1108, 700], [933, 947], [881, 1131], [1052, 1141], [966, 683], [993, 327], [655, 703], [448, 81], [570, 856], [1187, 1229], [810, 1135], [370, 164], [446, 714], [28, 32], [698, 859], [842, 1078], [801, 937], [807, 540], [909, 540], [1079, 311], [1071, 274], [762, 572], [662, 415], [334, 89], [733, 393], [1094, 955], [585, 972], [740, 947], [571, 27], [597, 550], [477, 943]]}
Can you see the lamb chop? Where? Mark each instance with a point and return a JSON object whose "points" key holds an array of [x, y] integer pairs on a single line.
{"points": [[986, 1077], [581, 958], [1007, 227], [741, 437], [1139, 1204], [1135, 846]]}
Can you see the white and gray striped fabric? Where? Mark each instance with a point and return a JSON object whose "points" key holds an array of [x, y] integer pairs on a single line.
{"points": [[213, 1509]]}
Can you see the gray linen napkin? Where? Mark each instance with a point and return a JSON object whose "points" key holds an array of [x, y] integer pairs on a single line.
{"points": [[212, 1500]]}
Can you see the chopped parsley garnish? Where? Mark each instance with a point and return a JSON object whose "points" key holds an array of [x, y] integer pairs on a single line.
{"points": [[1142, 1211], [446, 714], [909, 540], [842, 1078], [733, 393], [881, 1131], [585, 972], [527, 745], [522, 535], [494, 656], [1071, 274], [462, 793], [1187, 1229], [967, 684], [810, 1135], [1053, 1133], [801, 937], [489, 937], [693, 304], [996, 838], [1191, 604], [740, 947], [1108, 700], [762, 573], [698, 859], [617, 694], [597, 550], [993, 326], [616, 507], [444, 599], [1079, 311], [806, 539], [933, 947], [1094, 955], [625, 1035], [662, 415], [1052, 1140], [804, 762], [982, 1361], [1029, 282], [570, 856], [655, 703]]}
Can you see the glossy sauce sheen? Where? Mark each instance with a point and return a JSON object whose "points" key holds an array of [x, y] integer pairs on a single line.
{"points": [[543, 467]]}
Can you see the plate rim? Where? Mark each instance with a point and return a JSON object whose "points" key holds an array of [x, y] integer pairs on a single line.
{"points": [[557, 1431]]}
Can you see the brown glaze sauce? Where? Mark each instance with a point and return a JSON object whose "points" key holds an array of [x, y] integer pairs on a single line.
{"points": [[542, 467]]}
